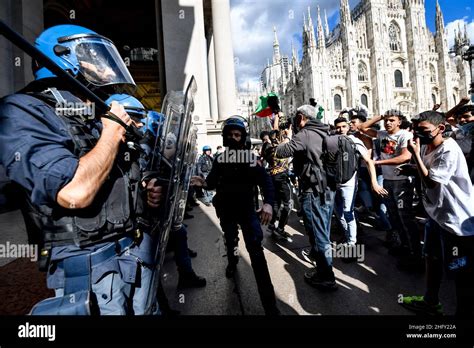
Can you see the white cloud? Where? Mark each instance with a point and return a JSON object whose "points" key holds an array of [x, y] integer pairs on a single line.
{"points": [[453, 26], [252, 24]]}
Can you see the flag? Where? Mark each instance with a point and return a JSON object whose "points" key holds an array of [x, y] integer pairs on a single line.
{"points": [[263, 109], [320, 114]]}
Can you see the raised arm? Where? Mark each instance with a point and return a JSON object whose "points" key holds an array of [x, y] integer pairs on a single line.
{"points": [[95, 166], [365, 127]]}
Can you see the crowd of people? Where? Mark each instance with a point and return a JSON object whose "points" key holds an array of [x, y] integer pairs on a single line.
{"points": [[402, 173], [427, 160], [89, 201]]}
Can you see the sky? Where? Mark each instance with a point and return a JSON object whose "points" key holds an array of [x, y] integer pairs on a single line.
{"points": [[252, 23]]}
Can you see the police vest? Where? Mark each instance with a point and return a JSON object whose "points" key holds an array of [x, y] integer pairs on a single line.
{"points": [[116, 206]]}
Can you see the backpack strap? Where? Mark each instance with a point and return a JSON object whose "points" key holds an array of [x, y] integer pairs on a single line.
{"points": [[321, 178]]}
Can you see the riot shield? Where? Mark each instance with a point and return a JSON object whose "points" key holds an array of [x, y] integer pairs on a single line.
{"points": [[168, 162], [185, 180]]}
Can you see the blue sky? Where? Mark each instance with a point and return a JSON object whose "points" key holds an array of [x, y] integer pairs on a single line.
{"points": [[253, 21]]}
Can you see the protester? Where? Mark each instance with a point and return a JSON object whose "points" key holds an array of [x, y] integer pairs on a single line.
{"points": [[402, 240], [449, 231]]}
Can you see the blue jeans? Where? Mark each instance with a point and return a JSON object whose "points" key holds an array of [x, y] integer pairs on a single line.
{"points": [[122, 283], [207, 196], [344, 204], [317, 221]]}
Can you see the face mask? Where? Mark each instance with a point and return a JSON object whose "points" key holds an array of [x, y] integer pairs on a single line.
{"points": [[232, 143], [468, 128], [425, 139]]}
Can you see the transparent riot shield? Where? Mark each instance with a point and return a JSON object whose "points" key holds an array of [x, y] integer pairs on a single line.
{"points": [[189, 161], [178, 108]]}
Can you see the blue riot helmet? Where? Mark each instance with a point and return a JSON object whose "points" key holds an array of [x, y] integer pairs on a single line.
{"points": [[86, 55], [132, 105], [240, 123], [206, 148], [154, 122]]}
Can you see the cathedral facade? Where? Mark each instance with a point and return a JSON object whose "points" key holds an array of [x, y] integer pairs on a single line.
{"points": [[381, 55]]}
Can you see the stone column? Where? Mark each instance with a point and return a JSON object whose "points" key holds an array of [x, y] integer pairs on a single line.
{"points": [[211, 61], [224, 59]]}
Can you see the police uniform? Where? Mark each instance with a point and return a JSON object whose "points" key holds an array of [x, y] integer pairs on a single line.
{"points": [[98, 248], [235, 185]]}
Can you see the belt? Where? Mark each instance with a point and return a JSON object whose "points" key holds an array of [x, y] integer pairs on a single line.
{"points": [[77, 269]]}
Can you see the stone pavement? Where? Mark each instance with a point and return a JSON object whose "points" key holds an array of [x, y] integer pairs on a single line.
{"points": [[371, 287], [368, 288]]}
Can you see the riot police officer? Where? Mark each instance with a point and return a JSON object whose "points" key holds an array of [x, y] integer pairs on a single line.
{"points": [[204, 167], [149, 123], [235, 175], [80, 180]]}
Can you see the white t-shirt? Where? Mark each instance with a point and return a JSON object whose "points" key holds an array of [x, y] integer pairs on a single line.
{"points": [[451, 202], [362, 150], [391, 146]]}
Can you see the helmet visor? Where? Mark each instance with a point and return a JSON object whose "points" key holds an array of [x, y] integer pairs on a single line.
{"points": [[100, 62]]}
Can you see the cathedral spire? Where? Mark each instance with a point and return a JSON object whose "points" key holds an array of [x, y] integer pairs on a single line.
{"points": [[345, 13], [466, 37], [311, 38], [276, 48], [326, 25], [275, 37], [439, 19], [321, 39], [294, 59]]}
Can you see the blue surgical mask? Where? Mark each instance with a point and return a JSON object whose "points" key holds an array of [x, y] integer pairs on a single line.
{"points": [[467, 128]]}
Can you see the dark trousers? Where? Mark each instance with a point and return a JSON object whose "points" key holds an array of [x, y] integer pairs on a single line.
{"points": [[179, 241], [282, 199], [253, 237], [445, 251], [400, 208]]}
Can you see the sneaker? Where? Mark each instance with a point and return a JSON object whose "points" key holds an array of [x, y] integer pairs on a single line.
{"points": [[191, 280], [230, 270], [308, 256], [417, 304], [280, 234], [320, 283]]}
